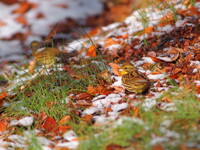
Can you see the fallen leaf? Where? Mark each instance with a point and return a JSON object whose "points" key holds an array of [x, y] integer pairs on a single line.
{"points": [[62, 129], [172, 58], [115, 69], [64, 120], [3, 127], [94, 90], [85, 96], [87, 118], [21, 20], [110, 41], [83, 103], [2, 95], [24, 7], [91, 51], [148, 30], [49, 124]]}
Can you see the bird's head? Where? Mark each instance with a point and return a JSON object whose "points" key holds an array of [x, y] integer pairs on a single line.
{"points": [[127, 68]]}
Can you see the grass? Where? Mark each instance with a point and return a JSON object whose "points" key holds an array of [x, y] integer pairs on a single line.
{"points": [[133, 134], [48, 92]]}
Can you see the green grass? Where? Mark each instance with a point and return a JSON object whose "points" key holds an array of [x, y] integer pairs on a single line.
{"points": [[53, 88], [131, 134]]}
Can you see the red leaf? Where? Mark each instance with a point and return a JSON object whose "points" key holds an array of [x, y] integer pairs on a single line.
{"points": [[49, 124], [3, 127]]}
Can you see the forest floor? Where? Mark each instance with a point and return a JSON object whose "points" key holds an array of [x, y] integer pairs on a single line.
{"points": [[79, 101]]}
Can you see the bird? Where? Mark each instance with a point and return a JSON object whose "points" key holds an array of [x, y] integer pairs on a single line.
{"points": [[132, 80], [44, 53]]}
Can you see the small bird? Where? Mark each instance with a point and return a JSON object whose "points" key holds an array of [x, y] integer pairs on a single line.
{"points": [[44, 53], [132, 80]]}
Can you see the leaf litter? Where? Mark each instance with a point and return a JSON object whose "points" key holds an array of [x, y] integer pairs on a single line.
{"points": [[174, 54]]}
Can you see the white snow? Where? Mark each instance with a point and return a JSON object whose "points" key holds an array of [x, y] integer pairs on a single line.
{"points": [[26, 121], [70, 135], [118, 82], [71, 145], [148, 60], [118, 107], [156, 76]]}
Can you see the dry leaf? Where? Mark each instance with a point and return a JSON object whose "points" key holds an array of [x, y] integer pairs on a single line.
{"points": [[2, 95], [24, 7], [91, 51], [49, 124], [3, 127], [115, 68], [62, 129], [64, 120]]}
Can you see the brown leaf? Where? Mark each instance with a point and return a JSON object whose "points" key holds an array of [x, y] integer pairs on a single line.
{"points": [[166, 59], [94, 90], [85, 96], [83, 103], [87, 118]]}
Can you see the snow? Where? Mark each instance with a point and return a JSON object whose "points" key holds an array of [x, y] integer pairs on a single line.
{"points": [[118, 82], [167, 107], [148, 60], [77, 10], [111, 98], [10, 47], [90, 111], [26, 121], [156, 76], [150, 102], [70, 135], [197, 82], [167, 28], [118, 107], [71, 145]]}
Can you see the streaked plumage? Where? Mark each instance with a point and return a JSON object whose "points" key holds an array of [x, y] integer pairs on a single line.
{"points": [[43, 54], [132, 80]]}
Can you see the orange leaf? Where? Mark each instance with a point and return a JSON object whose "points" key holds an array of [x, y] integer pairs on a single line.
{"points": [[148, 29], [87, 118], [24, 7], [62, 129], [91, 51], [2, 95], [156, 72], [110, 41], [3, 127], [64, 120], [115, 68], [92, 32], [94, 90], [21, 20], [49, 124]]}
